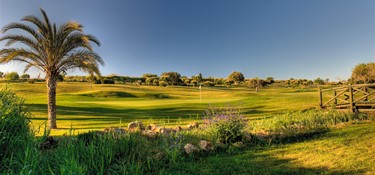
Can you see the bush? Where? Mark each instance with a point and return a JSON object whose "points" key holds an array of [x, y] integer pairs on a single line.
{"points": [[162, 83], [12, 76], [15, 134], [225, 124], [208, 83], [108, 81]]}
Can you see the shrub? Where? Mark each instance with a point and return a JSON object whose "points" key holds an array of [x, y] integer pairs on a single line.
{"points": [[15, 134], [108, 81], [31, 81], [225, 124], [12, 76], [162, 83], [208, 83]]}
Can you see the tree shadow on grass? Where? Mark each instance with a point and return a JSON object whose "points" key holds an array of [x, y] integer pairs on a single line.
{"points": [[257, 161], [108, 114]]}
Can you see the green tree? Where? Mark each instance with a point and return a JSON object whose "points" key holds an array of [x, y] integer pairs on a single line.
{"points": [[149, 76], [25, 76], [52, 50], [364, 73], [270, 80], [256, 83], [197, 78], [319, 81], [236, 77], [1, 74], [171, 78], [12, 76]]}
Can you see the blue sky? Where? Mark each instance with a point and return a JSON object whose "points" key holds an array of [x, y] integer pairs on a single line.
{"points": [[260, 38]]}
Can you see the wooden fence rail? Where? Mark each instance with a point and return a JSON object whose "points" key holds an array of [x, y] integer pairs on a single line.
{"points": [[352, 97]]}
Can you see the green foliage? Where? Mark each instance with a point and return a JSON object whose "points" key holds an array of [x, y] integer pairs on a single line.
{"points": [[225, 124], [12, 76], [31, 81], [149, 76], [162, 83], [198, 78], [25, 76], [364, 73], [208, 83], [15, 134], [236, 77], [1, 74], [297, 125], [270, 80], [319, 81], [108, 81], [171, 78], [256, 82]]}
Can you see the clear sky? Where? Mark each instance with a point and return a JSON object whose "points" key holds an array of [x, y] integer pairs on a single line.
{"points": [[260, 38]]}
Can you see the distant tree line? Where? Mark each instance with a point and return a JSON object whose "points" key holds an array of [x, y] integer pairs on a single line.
{"points": [[361, 73]]}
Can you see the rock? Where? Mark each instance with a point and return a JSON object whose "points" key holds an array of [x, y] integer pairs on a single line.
{"points": [[190, 148], [165, 130], [205, 145], [150, 134], [49, 143], [238, 144], [135, 126], [193, 125], [178, 129], [247, 137], [115, 130], [152, 127], [159, 156]]}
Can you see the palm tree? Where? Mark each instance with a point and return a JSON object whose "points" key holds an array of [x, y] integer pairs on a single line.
{"points": [[52, 51]]}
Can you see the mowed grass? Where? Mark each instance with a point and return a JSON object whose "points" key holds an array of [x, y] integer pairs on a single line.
{"points": [[83, 107], [344, 150]]}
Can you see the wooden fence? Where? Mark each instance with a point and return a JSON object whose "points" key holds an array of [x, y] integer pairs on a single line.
{"points": [[352, 97]]}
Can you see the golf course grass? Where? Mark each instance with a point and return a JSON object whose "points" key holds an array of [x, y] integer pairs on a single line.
{"points": [[83, 107], [345, 148]]}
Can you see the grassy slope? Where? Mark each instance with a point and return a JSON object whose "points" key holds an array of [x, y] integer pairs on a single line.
{"points": [[345, 150], [83, 108]]}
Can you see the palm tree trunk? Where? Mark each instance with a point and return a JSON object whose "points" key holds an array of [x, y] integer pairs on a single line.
{"points": [[51, 95]]}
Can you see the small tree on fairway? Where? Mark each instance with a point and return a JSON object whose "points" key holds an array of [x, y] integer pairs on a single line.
{"points": [[52, 50], [256, 83]]}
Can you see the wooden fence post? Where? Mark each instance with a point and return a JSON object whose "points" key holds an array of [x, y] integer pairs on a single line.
{"points": [[320, 98], [351, 98], [334, 94]]}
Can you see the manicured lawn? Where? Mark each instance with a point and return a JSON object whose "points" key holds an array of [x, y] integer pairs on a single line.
{"points": [[344, 150], [83, 108]]}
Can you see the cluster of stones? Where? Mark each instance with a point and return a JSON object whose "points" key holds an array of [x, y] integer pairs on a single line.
{"points": [[205, 145], [150, 131]]}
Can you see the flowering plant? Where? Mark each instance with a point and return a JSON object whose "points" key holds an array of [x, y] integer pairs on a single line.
{"points": [[225, 124]]}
